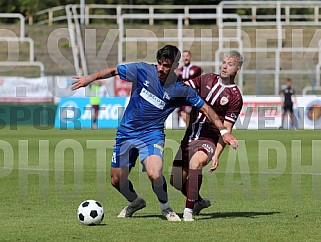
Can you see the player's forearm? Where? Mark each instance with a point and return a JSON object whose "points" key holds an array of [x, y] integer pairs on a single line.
{"points": [[83, 81], [221, 144], [212, 116], [219, 148], [105, 73]]}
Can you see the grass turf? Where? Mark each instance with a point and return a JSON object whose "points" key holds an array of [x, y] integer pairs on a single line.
{"points": [[258, 192]]}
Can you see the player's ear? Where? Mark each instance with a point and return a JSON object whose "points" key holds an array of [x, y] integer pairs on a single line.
{"points": [[238, 70]]}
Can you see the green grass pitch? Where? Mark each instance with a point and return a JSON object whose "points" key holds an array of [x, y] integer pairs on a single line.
{"points": [[269, 189]]}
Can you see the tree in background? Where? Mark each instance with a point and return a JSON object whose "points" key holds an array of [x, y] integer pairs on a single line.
{"points": [[9, 7], [30, 7]]}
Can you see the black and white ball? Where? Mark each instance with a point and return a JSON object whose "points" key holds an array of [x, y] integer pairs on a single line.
{"points": [[90, 212]]}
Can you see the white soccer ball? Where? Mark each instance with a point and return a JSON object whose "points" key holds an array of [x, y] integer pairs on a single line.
{"points": [[90, 212]]}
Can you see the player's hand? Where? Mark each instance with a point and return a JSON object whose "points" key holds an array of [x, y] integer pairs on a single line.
{"points": [[231, 140], [214, 164], [80, 81]]}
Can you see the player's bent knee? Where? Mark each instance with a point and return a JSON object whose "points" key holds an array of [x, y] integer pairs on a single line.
{"points": [[154, 176], [202, 164]]}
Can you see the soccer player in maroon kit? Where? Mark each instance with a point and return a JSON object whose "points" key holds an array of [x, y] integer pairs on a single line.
{"points": [[186, 72], [202, 141]]}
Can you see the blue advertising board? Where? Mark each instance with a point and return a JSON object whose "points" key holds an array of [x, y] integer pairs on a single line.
{"points": [[76, 113]]}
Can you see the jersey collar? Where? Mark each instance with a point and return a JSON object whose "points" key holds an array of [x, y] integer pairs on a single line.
{"points": [[222, 84]]}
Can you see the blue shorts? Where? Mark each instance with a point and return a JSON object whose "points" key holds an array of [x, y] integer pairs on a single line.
{"points": [[126, 151]]}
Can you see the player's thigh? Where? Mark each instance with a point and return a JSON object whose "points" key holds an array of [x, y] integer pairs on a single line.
{"points": [[198, 160], [201, 152], [125, 154], [154, 166], [151, 151]]}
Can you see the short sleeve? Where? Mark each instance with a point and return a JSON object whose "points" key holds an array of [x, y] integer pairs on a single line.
{"points": [[190, 96], [234, 109], [196, 101], [196, 82], [128, 72]]}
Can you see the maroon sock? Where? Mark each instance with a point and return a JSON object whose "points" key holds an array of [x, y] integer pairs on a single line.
{"points": [[200, 180], [192, 187]]}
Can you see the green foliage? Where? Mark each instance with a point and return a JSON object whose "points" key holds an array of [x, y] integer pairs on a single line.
{"points": [[9, 7], [30, 7]]}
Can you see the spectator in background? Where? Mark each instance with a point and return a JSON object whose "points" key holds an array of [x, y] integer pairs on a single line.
{"points": [[97, 90], [288, 95], [187, 72]]}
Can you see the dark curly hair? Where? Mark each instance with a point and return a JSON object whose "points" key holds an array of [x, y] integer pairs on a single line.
{"points": [[169, 52]]}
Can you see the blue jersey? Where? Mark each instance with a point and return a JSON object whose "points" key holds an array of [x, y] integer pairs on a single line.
{"points": [[151, 101]]}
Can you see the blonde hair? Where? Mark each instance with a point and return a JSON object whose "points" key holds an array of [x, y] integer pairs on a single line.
{"points": [[235, 54]]}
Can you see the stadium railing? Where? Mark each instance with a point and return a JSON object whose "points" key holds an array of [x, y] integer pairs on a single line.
{"points": [[221, 39], [49, 16], [255, 12], [77, 46], [11, 37], [21, 21], [114, 11], [279, 16]]}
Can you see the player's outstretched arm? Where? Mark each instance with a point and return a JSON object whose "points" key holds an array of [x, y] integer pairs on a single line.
{"points": [[82, 81], [213, 117]]}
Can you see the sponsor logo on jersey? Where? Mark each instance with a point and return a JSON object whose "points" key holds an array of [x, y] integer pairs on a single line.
{"points": [[234, 116], [166, 96], [224, 101], [208, 148], [146, 83], [152, 99], [157, 146]]}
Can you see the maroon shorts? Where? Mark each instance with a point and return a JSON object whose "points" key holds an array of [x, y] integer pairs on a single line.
{"points": [[187, 150], [95, 107]]}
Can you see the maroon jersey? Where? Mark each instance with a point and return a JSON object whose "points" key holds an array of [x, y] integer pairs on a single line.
{"points": [[226, 100], [189, 72], [186, 73]]}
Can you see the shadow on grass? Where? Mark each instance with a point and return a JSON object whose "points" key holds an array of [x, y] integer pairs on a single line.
{"points": [[153, 216], [234, 215], [204, 216], [149, 216], [96, 225]]}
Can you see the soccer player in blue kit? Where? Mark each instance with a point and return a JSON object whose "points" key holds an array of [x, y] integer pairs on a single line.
{"points": [[156, 93]]}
